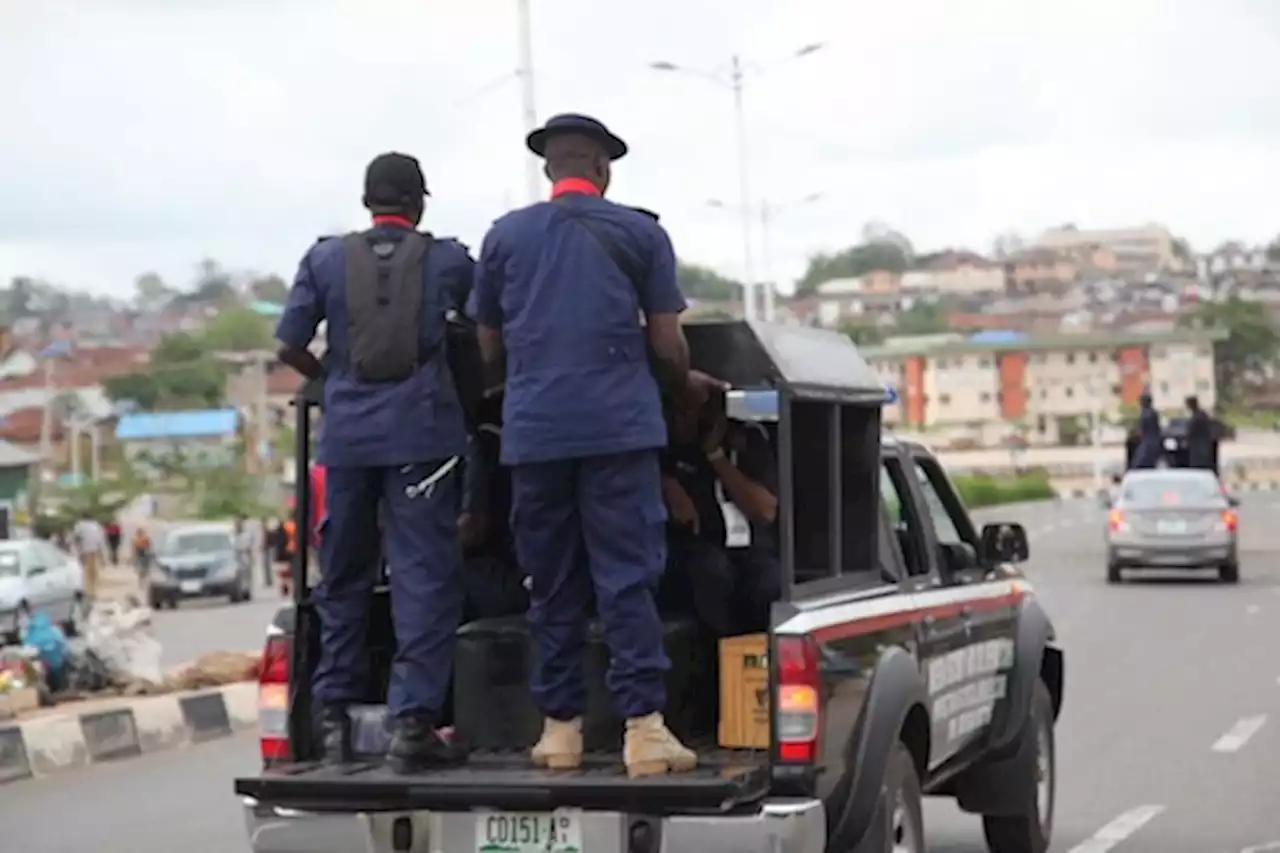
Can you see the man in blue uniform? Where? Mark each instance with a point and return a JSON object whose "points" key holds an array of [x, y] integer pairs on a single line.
{"points": [[1150, 436], [392, 435], [560, 287]]}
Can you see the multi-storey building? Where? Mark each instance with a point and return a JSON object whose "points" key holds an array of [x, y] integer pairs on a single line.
{"points": [[1044, 386]]}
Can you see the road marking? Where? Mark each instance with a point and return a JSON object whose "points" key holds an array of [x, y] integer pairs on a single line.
{"points": [[1252, 609], [1118, 830], [1239, 734], [1262, 848]]}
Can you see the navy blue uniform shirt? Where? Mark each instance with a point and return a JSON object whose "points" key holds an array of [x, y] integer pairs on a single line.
{"points": [[578, 376], [371, 424]]}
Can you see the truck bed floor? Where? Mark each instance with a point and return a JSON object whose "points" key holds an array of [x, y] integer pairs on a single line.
{"points": [[722, 780]]}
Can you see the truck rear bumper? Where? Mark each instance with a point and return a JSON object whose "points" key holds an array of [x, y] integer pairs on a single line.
{"points": [[774, 826]]}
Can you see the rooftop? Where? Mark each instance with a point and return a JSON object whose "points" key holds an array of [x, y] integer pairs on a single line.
{"points": [[208, 423], [930, 345]]}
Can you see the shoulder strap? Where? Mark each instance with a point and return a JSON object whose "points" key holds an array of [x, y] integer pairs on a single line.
{"points": [[621, 259]]}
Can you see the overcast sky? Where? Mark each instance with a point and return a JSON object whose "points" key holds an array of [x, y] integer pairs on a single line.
{"points": [[147, 134]]}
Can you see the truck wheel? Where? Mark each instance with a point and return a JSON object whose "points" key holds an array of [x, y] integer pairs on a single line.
{"points": [[898, 826], [1031, 833], [1229, 572]]}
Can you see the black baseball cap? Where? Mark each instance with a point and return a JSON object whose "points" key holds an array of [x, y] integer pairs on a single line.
{"points": [[394, 180]]}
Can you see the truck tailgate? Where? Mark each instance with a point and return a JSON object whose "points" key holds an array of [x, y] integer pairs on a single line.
{"points": [[723, 780]]}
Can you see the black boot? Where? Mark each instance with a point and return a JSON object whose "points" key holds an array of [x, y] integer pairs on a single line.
{"points": [[416, 747], [333, 737]]}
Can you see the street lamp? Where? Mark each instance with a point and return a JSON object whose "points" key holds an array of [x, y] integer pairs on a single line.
{"points": [[735, 81], [768, 212], [528, 107]]}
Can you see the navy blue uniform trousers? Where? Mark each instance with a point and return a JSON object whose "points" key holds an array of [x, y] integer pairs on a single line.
{"points": [[593, 522], [424, 567]]}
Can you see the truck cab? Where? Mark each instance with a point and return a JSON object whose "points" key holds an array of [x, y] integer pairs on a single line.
{"points": [[907, 656]]}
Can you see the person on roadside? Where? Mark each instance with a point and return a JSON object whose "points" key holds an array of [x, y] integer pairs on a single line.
{"points": [[270, 531], [244, 545], [393, 433], [142, 553], [114, 537], [91, 545], [1199, 436], [559, 291]]}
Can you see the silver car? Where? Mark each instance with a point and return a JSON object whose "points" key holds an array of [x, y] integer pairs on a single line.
{"points": [[1173, 518], [196, 560], [34, 576]]}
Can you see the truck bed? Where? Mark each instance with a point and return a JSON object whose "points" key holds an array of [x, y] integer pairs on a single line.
{"points": [[724, 779]]}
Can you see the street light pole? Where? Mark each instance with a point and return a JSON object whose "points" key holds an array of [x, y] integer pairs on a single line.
{"points": [[529, 111], [766, 263], [744, 190]]}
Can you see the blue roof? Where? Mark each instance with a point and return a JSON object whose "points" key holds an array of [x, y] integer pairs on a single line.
{"points": [[200, 424], [996, 336], [267, 309]]}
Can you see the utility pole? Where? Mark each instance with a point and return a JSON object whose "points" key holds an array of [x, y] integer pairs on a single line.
{"points": [[766, 264], [736, 78], [528, 105]]}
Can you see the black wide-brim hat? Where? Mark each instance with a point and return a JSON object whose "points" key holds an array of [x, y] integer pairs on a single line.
{"points": [[573, 123]]}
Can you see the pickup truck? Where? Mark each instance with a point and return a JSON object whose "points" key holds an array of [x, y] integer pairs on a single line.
{"points": [[908, 657]]}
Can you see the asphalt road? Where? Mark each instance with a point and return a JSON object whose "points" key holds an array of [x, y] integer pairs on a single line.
{"points": [[1168, 740]]}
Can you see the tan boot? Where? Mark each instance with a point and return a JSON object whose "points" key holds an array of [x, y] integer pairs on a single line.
{"points": [[651, 749], [560, 747]]}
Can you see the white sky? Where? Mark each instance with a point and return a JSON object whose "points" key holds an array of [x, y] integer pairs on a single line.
{"points": [[147, 134]]}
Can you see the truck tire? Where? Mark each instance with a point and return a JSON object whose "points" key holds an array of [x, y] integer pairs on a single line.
{"points": [[898, 824], [1032, 832]]}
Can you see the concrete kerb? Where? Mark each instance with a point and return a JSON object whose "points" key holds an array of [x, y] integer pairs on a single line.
{"points": [[93, 732]]}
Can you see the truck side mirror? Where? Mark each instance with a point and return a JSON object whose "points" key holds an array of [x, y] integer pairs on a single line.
{"points": [[1005, 542]]}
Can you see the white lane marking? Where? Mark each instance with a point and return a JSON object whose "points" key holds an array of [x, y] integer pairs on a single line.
{"points": [[1252, 609], [1118, 830], [1239, 734]]}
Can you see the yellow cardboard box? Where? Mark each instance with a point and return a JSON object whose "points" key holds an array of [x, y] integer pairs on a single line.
{"points": [[744, 692]]}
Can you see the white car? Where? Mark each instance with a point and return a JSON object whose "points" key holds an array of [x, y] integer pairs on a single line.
{"points": [[34, 576]]}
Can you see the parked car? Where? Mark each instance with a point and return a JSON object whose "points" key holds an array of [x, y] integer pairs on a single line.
{"points": [[909, 656], [34, 575], [198, 560]]}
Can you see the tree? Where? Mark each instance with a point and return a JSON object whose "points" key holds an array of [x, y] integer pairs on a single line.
{"points": [[182, 375], [269, 288], [863, 334], [150, 289], [1251, 345], [699, 282], [923, 318], [236, 330], [853, 262], [213, 285]]}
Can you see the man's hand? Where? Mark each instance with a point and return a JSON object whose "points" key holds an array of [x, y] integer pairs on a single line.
{"points": [[473, 528], [700, 387], [713, 439], [680, 506]]}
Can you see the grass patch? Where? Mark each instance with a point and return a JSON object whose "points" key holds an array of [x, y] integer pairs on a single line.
{"points": [[979, 490]]}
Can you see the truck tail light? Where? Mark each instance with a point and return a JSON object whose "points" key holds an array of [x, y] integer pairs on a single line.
{"points": [[1230, 521], [799, 706], [273, 698], [1117, 522]]}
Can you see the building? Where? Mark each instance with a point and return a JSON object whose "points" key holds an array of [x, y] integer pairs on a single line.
{"points": [[1045, 388], [956, 273], [1147, 248], [204, 438], [871, 298], [15, 480]]}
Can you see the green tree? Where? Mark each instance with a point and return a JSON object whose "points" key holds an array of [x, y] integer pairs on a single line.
{"points": [[699, 282], [853, 262], [150, 289], [182, 375], [236, 330], [1251, 345], [863, 334], [923, 318], [269, 288]]}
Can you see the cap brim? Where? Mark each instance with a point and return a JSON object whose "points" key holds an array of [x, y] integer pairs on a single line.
{"points": [[614, 147]]}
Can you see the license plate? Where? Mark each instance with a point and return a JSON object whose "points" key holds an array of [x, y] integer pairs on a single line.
{"points": [[1171, 526], [190, 586], [508, 832]]}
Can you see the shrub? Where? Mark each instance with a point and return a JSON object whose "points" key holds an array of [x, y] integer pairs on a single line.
{"points": [[981, 490]]}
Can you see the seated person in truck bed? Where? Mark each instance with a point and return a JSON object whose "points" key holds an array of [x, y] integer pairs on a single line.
{"points": [[491, 579], [719, 482]]}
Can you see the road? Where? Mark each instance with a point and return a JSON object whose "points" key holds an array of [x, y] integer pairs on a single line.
{"points": [[1167, 742]]}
